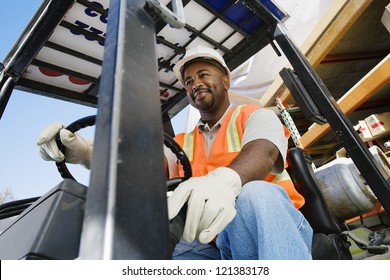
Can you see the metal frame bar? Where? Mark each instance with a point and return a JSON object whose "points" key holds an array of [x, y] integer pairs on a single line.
{"points": [[7, 86], [56, 92], [126, 201], [48, 16], [225, 20], [93, 6], [80, 30], [35, 36], [74, 53], [65, 71]]}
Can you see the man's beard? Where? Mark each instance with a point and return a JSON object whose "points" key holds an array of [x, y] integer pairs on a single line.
{"points": [[205, 103]]}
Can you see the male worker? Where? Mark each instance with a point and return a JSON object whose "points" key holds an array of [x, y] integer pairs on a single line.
{"points": [[232, 211]]}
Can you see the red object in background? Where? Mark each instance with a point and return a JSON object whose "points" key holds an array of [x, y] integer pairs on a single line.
{"points": [[52, 73], [78, 81], [165, 94], [49, 73]]}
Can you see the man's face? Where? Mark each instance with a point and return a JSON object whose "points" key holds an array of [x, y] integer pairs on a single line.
{"points": [[206, 85]]}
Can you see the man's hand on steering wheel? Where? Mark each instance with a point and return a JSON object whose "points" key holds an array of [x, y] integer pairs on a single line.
{"points": [[78, 150], [62, 144]]}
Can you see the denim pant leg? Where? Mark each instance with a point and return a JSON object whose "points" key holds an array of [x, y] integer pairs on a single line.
{"points": [[195, 251], [267, 226]]}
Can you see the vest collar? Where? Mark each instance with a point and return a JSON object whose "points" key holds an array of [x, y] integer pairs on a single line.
{"points": [[205, 127]]}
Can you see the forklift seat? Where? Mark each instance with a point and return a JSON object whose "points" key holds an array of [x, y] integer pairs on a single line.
{"points": [[328, 243]]}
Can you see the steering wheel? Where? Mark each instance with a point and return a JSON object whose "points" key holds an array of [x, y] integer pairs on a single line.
{"points": [[176, 225], [168, 141]]}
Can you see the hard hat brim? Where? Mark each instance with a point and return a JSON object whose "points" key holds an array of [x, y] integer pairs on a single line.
{"points": [[216, 60]]}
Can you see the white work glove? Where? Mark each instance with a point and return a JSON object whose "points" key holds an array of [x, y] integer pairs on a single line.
{"points": [[210, 203], [77, 149]]}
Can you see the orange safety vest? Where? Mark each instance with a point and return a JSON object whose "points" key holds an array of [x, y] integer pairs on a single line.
{"points": [[226, 147]]}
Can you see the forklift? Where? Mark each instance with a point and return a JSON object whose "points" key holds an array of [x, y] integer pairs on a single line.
{"points": [[120, 56]]}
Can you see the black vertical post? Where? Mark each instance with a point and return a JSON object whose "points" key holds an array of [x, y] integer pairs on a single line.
{"points": [[126, 212], [6, 89]]}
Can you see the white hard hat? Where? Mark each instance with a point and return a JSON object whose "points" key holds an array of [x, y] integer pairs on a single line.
{"points": [[200, 53]]}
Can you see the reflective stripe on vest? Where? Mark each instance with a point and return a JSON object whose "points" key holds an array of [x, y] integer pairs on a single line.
{"points": [[188, 145], [284, 176], [233, 138]]}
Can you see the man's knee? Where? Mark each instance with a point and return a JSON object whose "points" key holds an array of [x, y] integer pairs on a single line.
{"points": [[261, 190]]}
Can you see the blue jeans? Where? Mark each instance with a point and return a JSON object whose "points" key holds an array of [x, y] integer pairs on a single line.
{"points": [[267, 226]]}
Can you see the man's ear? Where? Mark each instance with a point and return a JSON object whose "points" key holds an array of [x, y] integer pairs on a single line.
{"points": [[226, 82]]}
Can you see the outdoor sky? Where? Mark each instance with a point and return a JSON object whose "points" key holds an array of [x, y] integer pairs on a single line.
{"points": [[26, 114]]}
